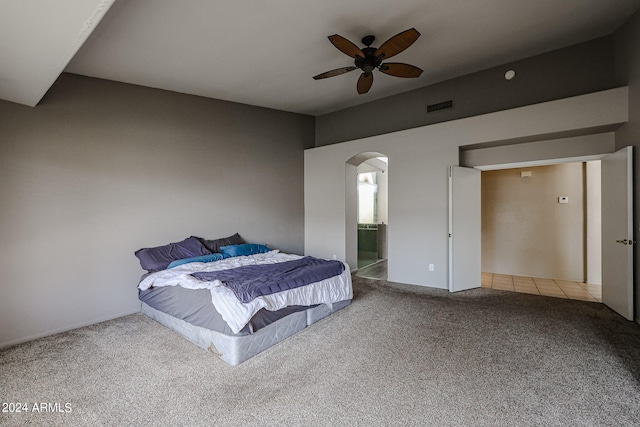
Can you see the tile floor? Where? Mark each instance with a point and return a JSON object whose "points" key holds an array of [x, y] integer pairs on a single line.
{"points": [[547, 287], [377, 270]]}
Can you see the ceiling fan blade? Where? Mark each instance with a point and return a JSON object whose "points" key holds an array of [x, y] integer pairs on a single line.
{"points": [[345, 46], [397, 43], [364, 83], [335, 72], [398, 69]]}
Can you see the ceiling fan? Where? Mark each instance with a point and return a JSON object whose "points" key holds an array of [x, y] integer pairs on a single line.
{"points": [[369, 58]]}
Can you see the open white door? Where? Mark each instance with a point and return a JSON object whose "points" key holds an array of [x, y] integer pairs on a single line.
{"points": [[617, 232], [464, 229]]}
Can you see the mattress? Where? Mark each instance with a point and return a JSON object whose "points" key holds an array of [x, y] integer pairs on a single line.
{"points": [[235, 349]]}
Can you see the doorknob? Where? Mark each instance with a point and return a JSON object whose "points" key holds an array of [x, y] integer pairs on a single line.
{"points": [[626, 242]]}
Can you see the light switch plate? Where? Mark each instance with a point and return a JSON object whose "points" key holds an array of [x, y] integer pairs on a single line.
{"points": [[563, 199]]}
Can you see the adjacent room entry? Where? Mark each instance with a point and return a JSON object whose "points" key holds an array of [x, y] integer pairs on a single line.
{"points": [[617, 238], [541, 230]]}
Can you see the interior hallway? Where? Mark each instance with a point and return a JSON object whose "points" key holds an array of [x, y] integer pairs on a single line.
{"points": [[547, 287]]}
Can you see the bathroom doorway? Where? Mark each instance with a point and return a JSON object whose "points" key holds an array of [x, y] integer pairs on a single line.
{"points": [[372, 214]]}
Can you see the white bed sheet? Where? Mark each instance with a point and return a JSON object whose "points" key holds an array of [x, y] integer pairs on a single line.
{"points": [[238, 314]]}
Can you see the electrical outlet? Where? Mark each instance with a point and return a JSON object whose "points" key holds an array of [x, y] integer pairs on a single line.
{"points": [[431, 267]]}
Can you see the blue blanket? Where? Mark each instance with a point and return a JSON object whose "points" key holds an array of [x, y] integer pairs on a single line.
{"points": [[252, 281]]}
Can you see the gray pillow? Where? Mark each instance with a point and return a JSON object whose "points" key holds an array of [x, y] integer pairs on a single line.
{"points": [[159, 257], [214, 245]]}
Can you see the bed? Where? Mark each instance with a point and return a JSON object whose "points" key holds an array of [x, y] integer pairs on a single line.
{"points": [[237, 299]]}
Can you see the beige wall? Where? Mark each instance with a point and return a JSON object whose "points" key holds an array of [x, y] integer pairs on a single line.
{"points": [[525, 231]]}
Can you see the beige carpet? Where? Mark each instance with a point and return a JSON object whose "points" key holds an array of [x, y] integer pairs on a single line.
{"points": [[399, 355]]}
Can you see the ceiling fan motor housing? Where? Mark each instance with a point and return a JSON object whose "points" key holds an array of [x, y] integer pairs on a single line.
{"points": [[370, 60]]}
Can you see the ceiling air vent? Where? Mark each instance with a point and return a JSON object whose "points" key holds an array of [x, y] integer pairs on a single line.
{"points": [[440, 106]]}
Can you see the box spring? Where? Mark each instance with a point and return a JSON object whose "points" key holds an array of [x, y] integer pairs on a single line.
{"points": [[235, 349]]}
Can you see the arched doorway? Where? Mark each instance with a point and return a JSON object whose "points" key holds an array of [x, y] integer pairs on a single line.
{"points": [[367, 213]]}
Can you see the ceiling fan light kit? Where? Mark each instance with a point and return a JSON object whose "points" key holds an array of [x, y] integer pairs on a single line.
{"points": [[370, 58]]}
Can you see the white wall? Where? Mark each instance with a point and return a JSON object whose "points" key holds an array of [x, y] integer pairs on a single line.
{"points": [[418, 159], [594, 222], [558, 150]]}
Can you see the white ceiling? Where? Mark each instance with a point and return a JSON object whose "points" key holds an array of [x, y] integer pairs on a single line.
{"points": [[265, 52], [37, 41]]}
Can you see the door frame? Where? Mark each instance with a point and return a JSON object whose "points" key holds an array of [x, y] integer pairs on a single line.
{"points": [[547, 162]]}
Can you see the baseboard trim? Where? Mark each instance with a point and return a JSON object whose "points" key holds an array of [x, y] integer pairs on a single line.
{"points": [[67, 328]]}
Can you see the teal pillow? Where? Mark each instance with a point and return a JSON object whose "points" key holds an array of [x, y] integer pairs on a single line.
{"points": [[202, 258], [243, 250]]}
